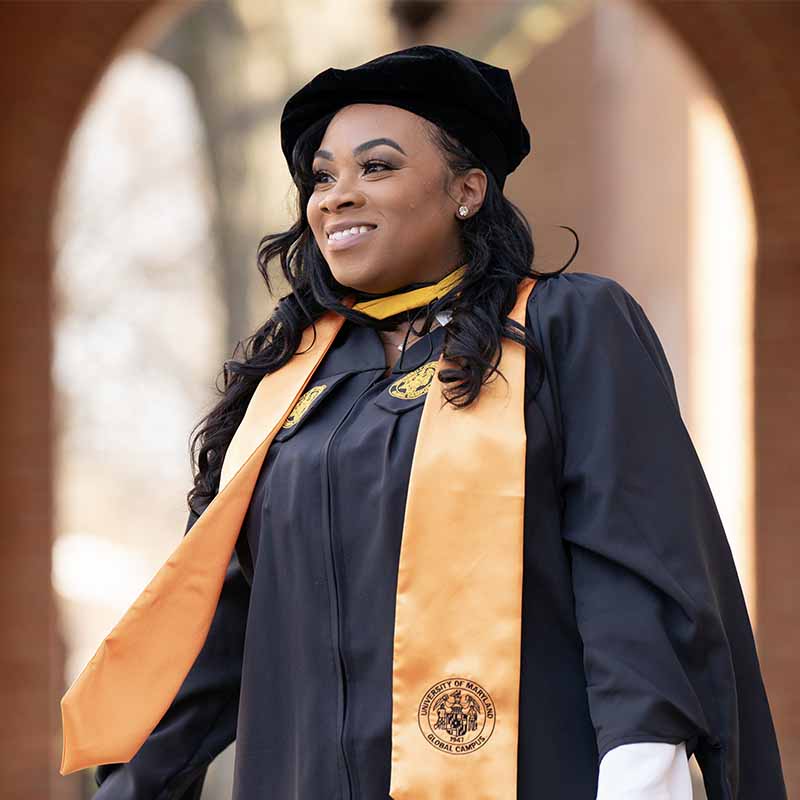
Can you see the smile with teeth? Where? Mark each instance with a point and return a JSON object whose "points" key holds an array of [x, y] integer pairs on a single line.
{"points": [[348, 232]]}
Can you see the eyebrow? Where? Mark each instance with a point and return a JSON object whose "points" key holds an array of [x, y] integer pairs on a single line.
{"points": [[328, 156]]}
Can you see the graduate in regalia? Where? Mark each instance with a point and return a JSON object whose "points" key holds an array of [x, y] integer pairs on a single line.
{"points": [[439, 488]]}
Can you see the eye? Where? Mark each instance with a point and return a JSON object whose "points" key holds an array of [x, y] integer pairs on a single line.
{"points": [[318, 175], [378, 163]]}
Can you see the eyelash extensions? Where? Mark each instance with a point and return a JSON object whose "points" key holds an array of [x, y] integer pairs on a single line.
{"points": [[318, 173]]}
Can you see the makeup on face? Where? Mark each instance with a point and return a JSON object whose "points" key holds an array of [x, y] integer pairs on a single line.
{"points": [[377, 179], [350, 232]]}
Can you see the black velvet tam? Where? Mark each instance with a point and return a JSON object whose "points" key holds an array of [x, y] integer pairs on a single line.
{"points": [[473, 101]]}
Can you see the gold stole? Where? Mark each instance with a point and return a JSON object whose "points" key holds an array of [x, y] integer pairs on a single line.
{"points": [[455, 674]]}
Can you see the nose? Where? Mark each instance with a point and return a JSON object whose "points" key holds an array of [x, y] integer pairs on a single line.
{"points": [[343, 195]]}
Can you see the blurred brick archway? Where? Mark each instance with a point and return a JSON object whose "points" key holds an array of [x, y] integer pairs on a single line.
{"points": [[53, 53]]}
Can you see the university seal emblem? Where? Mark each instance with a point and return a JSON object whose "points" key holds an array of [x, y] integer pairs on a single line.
{"points": [[302, 405], [456, 716], [414, 383]]}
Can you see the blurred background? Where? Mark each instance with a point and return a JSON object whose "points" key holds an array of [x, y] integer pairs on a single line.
{"points": [[140, 166]]}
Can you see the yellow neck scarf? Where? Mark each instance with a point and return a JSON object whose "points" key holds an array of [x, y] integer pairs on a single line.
{"points": [[456, 665], [382, 307]]}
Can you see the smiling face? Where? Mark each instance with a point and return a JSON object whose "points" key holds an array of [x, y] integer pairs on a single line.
{"points": [[375, 166]]}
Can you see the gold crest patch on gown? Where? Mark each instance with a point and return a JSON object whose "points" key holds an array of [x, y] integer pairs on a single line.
{"points": [[303, 404], [415, 383], [456, 716]]}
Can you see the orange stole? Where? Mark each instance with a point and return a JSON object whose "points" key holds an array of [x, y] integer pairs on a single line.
{"points": [[455, 690]]}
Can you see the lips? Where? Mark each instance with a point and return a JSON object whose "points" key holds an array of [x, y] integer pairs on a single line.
{"points": [[346, 225], [350, 241]]}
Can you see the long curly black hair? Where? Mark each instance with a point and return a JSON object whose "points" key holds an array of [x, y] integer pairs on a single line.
{"points": [[497, 249]]}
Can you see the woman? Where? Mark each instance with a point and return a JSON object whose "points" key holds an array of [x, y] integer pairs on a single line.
{"points": [[636, 650]]}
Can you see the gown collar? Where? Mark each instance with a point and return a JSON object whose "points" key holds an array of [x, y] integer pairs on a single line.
{"points": [[361, 346]]}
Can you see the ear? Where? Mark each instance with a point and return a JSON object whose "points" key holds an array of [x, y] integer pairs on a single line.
{"points": [[472, 189]]}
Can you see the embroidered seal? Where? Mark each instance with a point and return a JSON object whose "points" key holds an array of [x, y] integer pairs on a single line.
{"points": [[414, 383], [303, 404], [456, 716]]}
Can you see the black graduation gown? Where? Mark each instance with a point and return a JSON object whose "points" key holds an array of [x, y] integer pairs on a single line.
{"points": [[634, 625]]}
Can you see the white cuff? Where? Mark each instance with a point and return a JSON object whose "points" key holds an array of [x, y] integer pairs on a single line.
{"points": [[645, 771]]}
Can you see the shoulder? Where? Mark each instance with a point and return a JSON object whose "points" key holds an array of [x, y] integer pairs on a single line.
{"points": [[571, 303], [586, 323], [568, 290]]}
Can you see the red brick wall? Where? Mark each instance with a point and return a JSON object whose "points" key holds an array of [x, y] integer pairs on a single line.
{"points": [[51, 54]]}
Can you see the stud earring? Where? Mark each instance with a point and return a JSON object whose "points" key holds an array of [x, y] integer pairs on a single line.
{"points": [[463, 211]]}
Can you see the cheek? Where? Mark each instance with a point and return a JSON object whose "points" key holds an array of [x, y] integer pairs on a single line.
{"points": [[421, 218], [315, 223], [312, 213], [419, 207]]}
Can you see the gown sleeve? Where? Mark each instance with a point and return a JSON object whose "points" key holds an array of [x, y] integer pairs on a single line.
{"points": [[201, 721], [668, 651]]}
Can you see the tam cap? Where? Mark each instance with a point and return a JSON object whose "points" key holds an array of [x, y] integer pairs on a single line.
{"points": [[473, 101]]}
